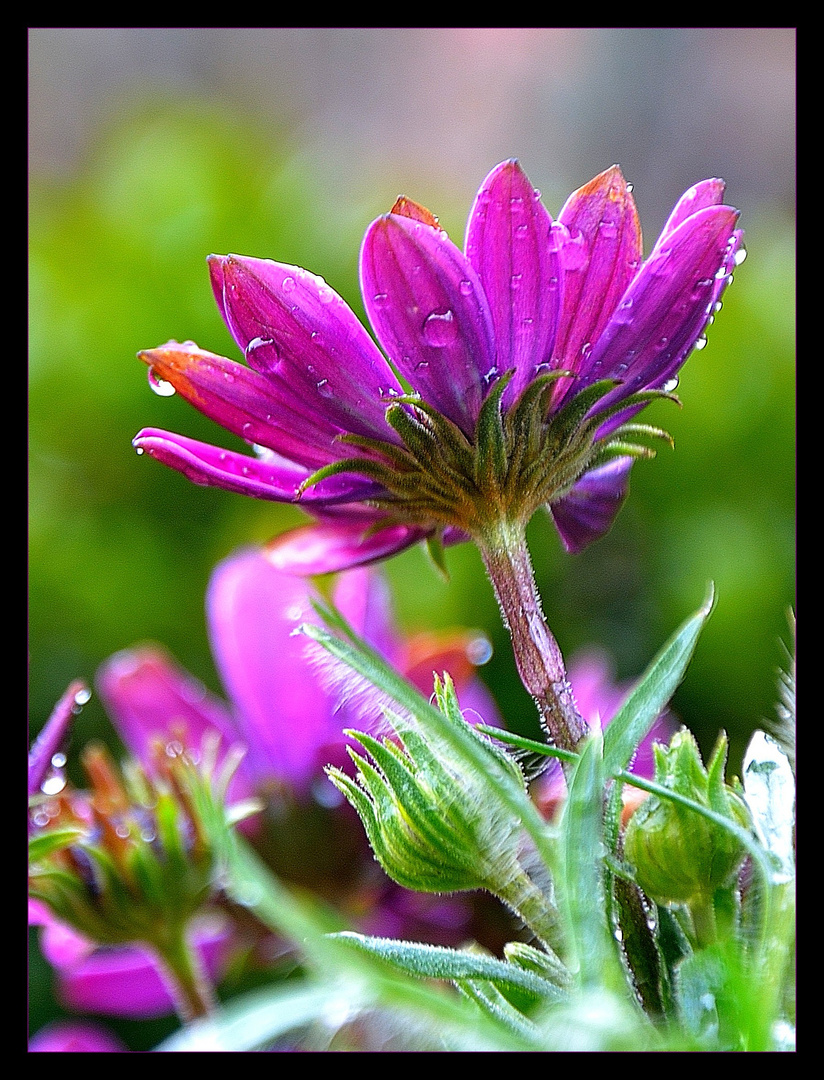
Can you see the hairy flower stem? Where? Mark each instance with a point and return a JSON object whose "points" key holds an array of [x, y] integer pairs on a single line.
{"points": [[526, 900], [540, 664], [187, 982]]}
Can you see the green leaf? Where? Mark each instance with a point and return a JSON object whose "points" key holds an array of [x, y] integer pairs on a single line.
{"points": [[582, 847], [45, 844], [438, 962], [652, 694]]}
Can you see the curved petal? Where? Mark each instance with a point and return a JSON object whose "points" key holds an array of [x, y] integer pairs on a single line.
{"points": [[667, 305], [284, 715], [297, 331], [269, 477], [149, 696], [246, 403], [339, 545], [53, 735], [126, 981], [75, 1037], [429, 312], [507, 242], [588, 511], [706, 193], [600, 238], [363, 598]]}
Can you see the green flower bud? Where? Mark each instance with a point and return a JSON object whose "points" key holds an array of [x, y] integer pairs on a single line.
{"points": [[429, 819], [679, 855], [133, 857]]}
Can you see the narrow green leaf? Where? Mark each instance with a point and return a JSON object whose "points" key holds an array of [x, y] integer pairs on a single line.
{"points": [[438, 962], [582, 847], [652, 694]]}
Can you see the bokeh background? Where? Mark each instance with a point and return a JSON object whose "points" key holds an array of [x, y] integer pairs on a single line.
{"points": [[152, 147]]}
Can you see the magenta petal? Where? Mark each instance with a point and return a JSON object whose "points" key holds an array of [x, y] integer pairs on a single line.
{"points": [[706, 193], [126, 981], [429, 312], [266, 477], [149, 697], [257, 409], [75, 1037], [296, 330], [507, 242], [667, 305], [588, 511], [52, 736], [282, 712], [339, 545], [600, 249]]}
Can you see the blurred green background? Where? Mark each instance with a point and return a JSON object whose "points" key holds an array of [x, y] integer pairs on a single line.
{"points": [[151, 148], [168, 149]]}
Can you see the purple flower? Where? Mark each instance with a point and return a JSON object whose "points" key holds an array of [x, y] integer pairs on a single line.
{"points": [[511, 375]]}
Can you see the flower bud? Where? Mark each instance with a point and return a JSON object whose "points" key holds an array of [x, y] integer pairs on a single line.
{"points": [[679, 855], [429, 819], [135, 856]]}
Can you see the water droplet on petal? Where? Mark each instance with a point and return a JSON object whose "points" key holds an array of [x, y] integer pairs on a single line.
{"points": [[466, 288], [288, 284], [380, 299], [160, 386], [326, 295], [608, 229], [440, 329], [701, 342], [82, 696], [739, 256], [139, 450], [671, 385], [515, 281]]}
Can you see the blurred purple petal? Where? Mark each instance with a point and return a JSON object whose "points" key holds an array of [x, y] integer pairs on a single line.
{"points": [[339, 545], [282, 715], [588, 511], [75, 1037]]}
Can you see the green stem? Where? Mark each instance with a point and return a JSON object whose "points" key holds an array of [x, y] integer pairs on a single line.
{"points": [[185, 977], [523, 896], [702, 911], [540, 664]]}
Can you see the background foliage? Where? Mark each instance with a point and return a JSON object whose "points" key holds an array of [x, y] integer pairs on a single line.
{"points": [[121, 548]]}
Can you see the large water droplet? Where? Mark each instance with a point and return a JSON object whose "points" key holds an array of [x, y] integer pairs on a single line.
{"points": [[671, 385], [440, 329], [160, 386], [739, 256], [701, 342]]}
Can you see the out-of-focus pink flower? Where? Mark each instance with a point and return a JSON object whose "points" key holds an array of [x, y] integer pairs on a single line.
{"points": [[280, 710], [599, 697], [75, 1037]]}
